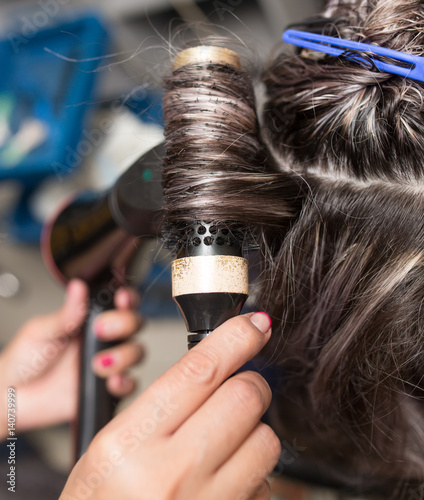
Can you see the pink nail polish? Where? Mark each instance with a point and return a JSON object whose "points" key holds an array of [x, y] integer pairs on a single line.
{"points": [[106, 361], [262, 321]]}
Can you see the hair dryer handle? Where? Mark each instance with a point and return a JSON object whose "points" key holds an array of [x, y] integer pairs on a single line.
{"points": [[96, 404]]}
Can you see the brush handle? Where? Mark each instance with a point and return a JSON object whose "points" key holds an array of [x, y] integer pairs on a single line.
{"points": [[96, 404]]}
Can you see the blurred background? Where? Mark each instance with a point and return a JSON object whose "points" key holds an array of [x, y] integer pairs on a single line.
{"points": [[80, 101]]}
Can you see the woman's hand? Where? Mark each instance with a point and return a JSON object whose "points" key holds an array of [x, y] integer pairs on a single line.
{"points": [[194, 433], [41, 362]]}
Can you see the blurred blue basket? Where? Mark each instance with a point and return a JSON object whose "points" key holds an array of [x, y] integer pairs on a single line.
{"points": [[52, 89], [48, 78]]}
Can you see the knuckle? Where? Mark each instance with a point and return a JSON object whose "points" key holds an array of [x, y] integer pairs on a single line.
{"points": [[132, 352], [269, 442], [199, 366], [133, 322], [242, 332], [261, 383], [263, 491], [138, 322], [266, 490], [249, 394], [103, 444], [138, 351]]}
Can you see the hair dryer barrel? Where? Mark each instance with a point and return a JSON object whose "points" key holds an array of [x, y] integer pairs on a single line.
{"points": [[95, 233]]}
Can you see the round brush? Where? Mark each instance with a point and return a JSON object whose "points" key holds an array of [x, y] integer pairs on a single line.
{"points": [[209, 113]]}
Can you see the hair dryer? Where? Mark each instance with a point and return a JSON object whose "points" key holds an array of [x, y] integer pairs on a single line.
{"points": [[94, 238]]}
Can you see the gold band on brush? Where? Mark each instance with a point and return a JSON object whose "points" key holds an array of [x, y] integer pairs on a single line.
{"points": [[207, 54]]}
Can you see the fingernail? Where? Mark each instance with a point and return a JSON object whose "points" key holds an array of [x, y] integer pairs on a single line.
{"points": [[70, 286], [99, 329], [124, 298], [262, 321], [106, 361], [105, 329]]}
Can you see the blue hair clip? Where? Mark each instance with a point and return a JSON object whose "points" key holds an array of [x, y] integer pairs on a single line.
{"points": [[338, 47]]}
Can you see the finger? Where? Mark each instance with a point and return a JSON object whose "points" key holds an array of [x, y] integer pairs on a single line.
{"points": [[282, 487], [62, 407], [63, 322], [120, 385], [117, 359], [251, 464], [41, 341], [263, 492], [191, 381], [224, 421], [127, 298], [117, 324], [74, 310]]}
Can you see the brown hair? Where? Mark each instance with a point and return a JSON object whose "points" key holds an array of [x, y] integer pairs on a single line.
{"points": [[351, 334], [337, 215]]}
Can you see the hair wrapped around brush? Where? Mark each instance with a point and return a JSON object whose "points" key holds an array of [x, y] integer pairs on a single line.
{"points": [[216, 167]]}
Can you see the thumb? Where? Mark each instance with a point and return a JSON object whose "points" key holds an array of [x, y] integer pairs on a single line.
{"points": [[30, 353], [64, 322], [73, 312]]}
